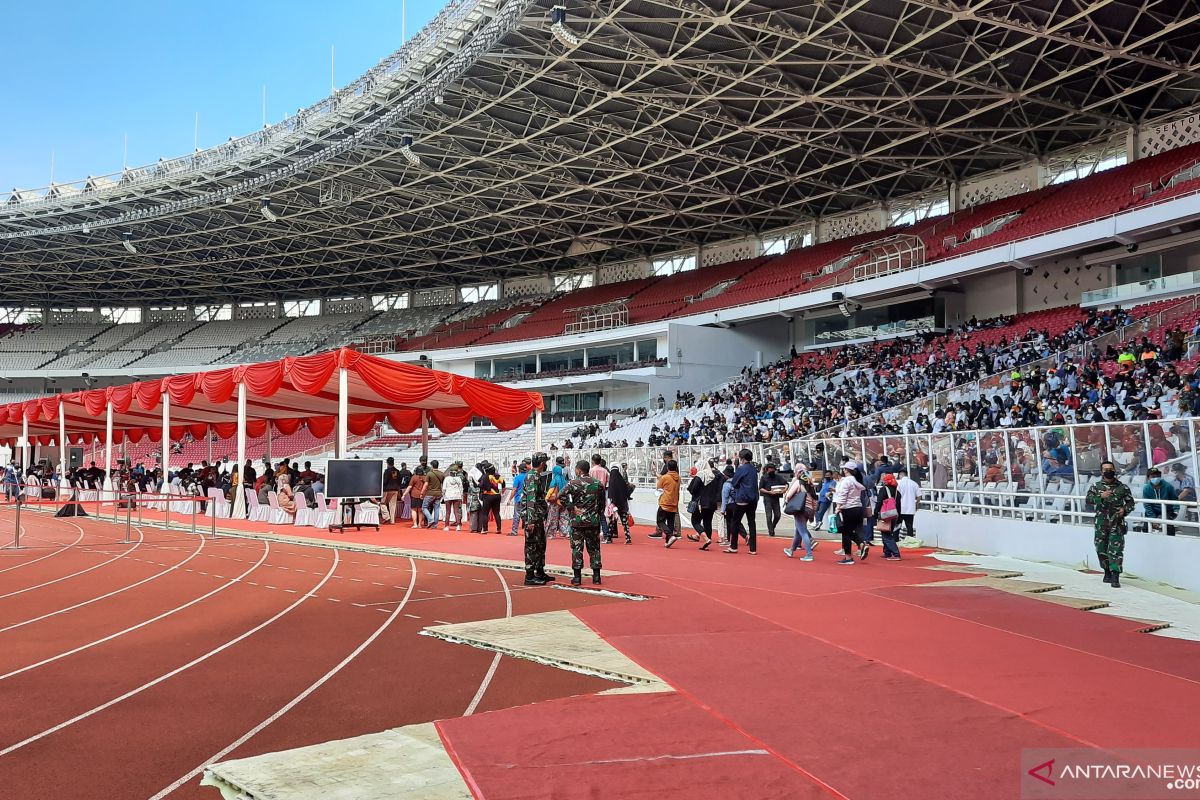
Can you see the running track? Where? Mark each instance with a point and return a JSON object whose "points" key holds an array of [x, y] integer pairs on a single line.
{"points": [[127, 667]]}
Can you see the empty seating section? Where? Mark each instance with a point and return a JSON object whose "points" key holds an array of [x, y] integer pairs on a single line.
{"points": [[465, 331], [405, 322], [552, 318], [676, 293], [944, 236]]}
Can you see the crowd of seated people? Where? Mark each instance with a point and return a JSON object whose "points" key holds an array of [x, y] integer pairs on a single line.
{"points": [[793, 398]]}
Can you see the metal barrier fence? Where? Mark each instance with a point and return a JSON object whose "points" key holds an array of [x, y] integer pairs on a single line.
{"points": [[115, 506], [1023, 473]]}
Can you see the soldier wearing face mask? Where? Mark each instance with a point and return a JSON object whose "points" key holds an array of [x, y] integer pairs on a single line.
{"points": [[1112, 502]]}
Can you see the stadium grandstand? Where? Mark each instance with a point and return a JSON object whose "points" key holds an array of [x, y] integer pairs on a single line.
{"points": [[955, 244]]}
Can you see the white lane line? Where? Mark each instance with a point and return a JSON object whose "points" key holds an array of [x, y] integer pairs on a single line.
{"points": [[133, 692], [298, 698], [132, 628], [491, 672], [195, 553], [80, 572], [64, 548]]}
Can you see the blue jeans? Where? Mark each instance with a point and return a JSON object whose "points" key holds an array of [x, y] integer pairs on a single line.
{"points": [[890, 547], [430, 507], [868, 530], [802, 536], [822, 508], [516, 515]]}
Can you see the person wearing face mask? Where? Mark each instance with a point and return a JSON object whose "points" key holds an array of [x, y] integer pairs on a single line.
{"points": [[1112, 502], [1158, 489]]}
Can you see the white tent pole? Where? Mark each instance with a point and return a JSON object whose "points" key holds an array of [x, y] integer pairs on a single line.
{"points": [[269, 454], [537, 431], [62, 446], [166, 441], [239, 497], [425, 434], [343, 440], [24, 445], [106, 483], [208, 436]]}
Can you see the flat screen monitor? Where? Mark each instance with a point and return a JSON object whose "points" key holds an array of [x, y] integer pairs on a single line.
{"points": [[354, 477]]}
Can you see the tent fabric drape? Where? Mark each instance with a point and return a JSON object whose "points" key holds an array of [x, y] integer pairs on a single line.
{"points": [[286, 394]]}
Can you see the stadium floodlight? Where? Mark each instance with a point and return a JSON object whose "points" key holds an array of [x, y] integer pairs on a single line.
{"points": [[265, 208], [406, 143], [127, 243], [558, 26]]}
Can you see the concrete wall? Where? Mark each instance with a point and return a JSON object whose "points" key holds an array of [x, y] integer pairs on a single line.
{"points": [[1060, 283], [1168, 559], [990, 295]]}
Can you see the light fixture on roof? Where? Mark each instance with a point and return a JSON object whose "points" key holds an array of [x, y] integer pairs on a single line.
{"points": [[265, 208], [558, 26], [87, 229], [406, 143], [127, 243]]}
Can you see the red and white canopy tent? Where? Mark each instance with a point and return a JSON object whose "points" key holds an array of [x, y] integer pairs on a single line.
{"points": [[341, 390]]}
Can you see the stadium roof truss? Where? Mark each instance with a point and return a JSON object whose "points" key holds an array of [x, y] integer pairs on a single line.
{"points": [[489, 147]]}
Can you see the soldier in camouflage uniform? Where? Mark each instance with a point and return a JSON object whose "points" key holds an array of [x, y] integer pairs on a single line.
{"points": [[533, 510], [1112, 502], [584, 497]]}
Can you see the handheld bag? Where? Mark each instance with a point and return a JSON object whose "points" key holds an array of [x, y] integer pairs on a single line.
{"points": [[797, 504], [888, 510]]}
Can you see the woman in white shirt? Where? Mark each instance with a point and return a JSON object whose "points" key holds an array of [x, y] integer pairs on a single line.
{"points": [[847, 503]]}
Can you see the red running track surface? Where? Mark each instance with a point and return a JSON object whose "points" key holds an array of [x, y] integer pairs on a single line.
{"points": [[95, 716]]}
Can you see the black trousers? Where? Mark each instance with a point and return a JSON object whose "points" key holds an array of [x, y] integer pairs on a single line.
{"points": [[749, 512], [850, 523], [771, 507], [907, 519], [491, 508], [666, 521], [702, 521]]}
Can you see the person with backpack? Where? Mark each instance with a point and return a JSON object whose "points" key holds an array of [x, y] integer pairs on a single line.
{"points": [[887, 516], [800, 500]]}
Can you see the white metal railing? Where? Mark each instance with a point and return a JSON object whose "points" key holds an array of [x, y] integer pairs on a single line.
{"points": [[1127, 291], [1019, 473]]}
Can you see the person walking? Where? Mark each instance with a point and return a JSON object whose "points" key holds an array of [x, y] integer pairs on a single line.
{"points": [[533, 509], [431, 505], [518, 495], [619, 493], [391, 489], [491, 489], [705, 489], [771, 488], [452, 495], [415, 494], [558, 523], [1113, 502], [803, 511], [583, 497], [825, 496], [744, 496], [847, 504], [474, 504], [887, 515], [668, 502], [600, 473], [910, 499]]}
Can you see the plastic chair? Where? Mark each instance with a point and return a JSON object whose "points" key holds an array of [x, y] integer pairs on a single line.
{"points": [[275, 514], [366, 514], [255, 511], [325, 512], [304, 514], [217, 504]]}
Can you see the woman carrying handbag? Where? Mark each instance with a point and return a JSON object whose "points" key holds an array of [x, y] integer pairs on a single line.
{"points": [[887, 516], [800, 501]]}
